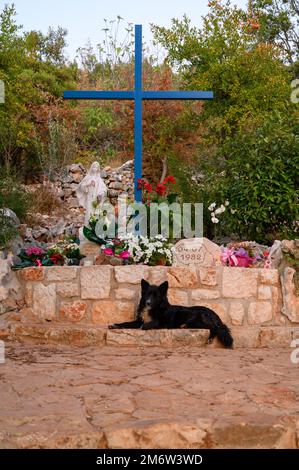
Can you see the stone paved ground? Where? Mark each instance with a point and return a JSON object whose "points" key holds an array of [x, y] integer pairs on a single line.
{"points": [[117, 397]]}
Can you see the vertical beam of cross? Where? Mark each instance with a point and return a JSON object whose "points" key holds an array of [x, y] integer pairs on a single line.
{"points": [[138, 95], [138, 112]]}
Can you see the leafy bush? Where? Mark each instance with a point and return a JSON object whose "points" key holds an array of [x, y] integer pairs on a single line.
{"points": [[261, 182], [13, 196], [7, 230]]}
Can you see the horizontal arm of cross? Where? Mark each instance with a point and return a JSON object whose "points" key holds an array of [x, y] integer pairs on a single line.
{"points": [[145, 95]]}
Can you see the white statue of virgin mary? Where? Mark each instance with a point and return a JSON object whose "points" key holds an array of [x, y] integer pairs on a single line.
{"points": [[91, 191]]}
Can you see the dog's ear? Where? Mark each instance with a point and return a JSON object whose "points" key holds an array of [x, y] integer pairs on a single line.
{"points": [[164, 288], [144, 285]]}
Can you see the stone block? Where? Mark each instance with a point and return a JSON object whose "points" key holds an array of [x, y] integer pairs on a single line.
{"points": [[237, 313], [61, 273], [178, 297], [68, 289], [126, 293], [44, 301], [32, 274], [73, 311], [106, 312], [269, 276], [239, 283], [131, 274], [179, 276], [264, 292], [259, 312], [208, 276], [95, 282], [202, 294]]}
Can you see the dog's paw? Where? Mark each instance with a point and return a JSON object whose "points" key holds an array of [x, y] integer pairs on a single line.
{"points": [[210, 341]]}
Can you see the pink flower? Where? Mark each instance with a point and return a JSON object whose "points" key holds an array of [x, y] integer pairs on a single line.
{"points": [[125, 254], [34, 251], [38, 262], [108, 251]]}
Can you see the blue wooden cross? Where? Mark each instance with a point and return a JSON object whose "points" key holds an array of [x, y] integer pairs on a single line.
{"points": [[138, 95]]}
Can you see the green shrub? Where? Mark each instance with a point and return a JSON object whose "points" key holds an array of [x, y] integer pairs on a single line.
{"points": [[261, 182], [13, 196]]}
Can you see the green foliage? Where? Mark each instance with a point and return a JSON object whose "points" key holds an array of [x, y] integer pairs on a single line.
{"points": [[13, 196], [249, 151], [34, 70], [7, 230]]}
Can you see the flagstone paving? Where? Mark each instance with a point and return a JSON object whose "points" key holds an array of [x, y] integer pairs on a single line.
{"points": [[119, 397]]}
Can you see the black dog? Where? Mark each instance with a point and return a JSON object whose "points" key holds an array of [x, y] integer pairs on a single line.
{"points": [[154, 312]]}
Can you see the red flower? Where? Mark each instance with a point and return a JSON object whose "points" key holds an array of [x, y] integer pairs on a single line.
{"points": [[148, 187], [170, 179], [57, 259], [161, 189]]}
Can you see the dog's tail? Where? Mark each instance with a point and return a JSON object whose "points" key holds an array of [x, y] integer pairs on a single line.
{"points": [[224, 335]]}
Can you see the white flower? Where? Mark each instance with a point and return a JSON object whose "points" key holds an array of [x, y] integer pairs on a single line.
{"points": [[215, 220], [220, 210], [233, 211], [212, 206], [226, 203], [212, 214]]}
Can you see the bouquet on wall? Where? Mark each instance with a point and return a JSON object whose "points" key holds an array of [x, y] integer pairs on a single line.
{"points": [[156, 251], [61, 254], [245, 255]]}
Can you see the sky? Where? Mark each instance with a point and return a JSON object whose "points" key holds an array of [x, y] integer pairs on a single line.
{"points": [[84, 18]]}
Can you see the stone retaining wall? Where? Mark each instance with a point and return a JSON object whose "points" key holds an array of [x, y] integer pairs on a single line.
{"points": [[99, 295]]}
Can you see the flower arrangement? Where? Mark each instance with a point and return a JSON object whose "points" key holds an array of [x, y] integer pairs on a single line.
{"points": [[141, 250], [151, 251], [61, 254], [157, 192], [245, 255], [117, 248]]}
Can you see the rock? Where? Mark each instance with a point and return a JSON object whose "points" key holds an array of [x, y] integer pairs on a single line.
{"points": [[131, 274], [73, 312], [58, 229], [202, 294], [269, 276], [182, 277], [60, 273], [276, 254], [40, 233], [259, 313], [11, 215], [73, 202], [112, 193], [264, 293], [236, 313], [116, 185], [197, 251], [44, 301], [68, 289], [208, 276], [95, 282], [239, 283], [32, 274], [125, 293], [178, 297], [290, 300], [112, 311]]}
